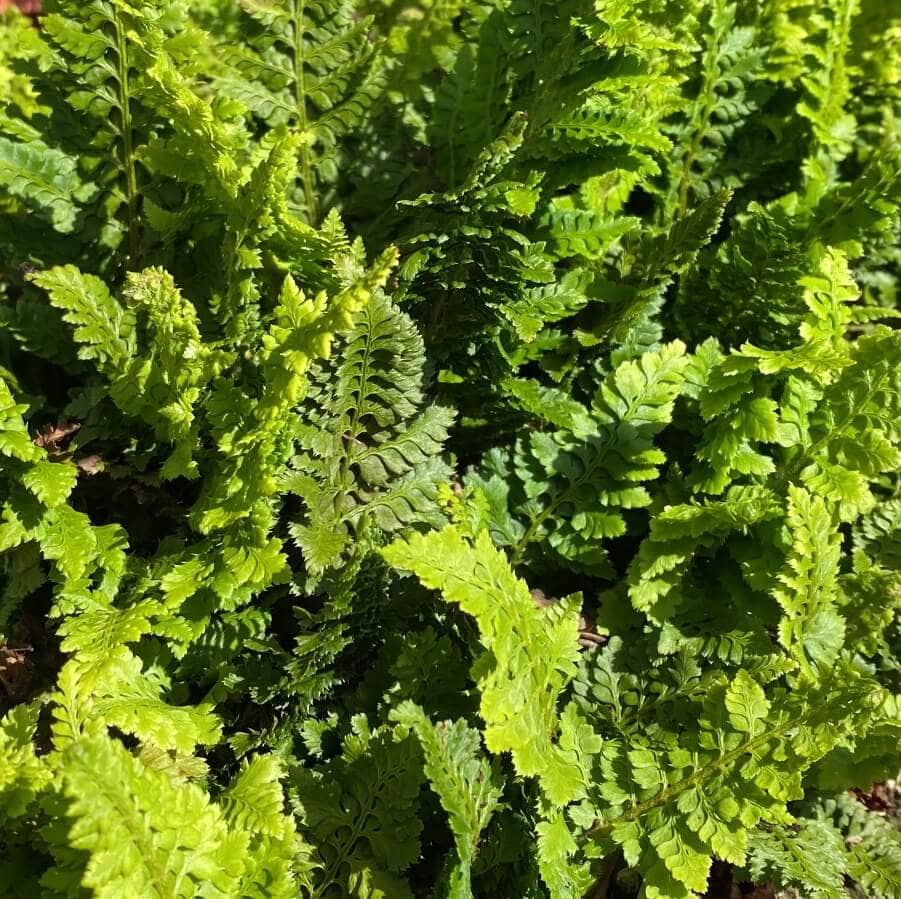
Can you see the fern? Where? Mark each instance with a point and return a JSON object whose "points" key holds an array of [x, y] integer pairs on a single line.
{"points": [[810, 582], [468, 788], [508, 622], [864, 844], [327, 325], [22, 777], [368, 449], [101, 49], [358, 811], [828, 86], [674, 851], [253, 803], [46, 177], [723, 103], [307, 67], [159, 383], [128, 846], [810, 859], [575, 481]]}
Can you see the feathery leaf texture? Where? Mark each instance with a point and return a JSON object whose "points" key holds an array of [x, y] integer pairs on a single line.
{"points": [[468, 787], [370, 449], [144, 835], [519, 687], [328, 325]]}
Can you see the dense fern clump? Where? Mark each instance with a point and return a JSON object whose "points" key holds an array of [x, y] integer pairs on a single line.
{"points": [[450, 448]]}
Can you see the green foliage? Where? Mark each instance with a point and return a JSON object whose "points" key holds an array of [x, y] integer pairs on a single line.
{"points": [[530, 654], [467, 786], [305, 68], [574, 481], [144, 847], [359, 809], [449, 448], [835, 839], [368, 452]]}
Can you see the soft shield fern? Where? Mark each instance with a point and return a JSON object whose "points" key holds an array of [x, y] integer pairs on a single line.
{"points": [[450, 449]]}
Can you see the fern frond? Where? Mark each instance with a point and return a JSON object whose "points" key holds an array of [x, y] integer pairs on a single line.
{"points": [[826, 295], [46, 178], [309, 67], [810, 859], [101, 50], [670, 820], [828, 87], [730, 61], [252, 433], [143, 834], [359, 812], [808, 587], [855, 431], [253, 803], [871, 850], [371, 450], [158, 377], [574, 485], [518, 698], [102, 325], [681, 533], [23, 775], [468, 787]]}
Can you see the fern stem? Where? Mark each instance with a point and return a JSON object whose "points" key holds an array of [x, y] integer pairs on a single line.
{"points": [[128, 161], [703, 120], [300, 100], [809, 455], [711, 769], [332, 871]]}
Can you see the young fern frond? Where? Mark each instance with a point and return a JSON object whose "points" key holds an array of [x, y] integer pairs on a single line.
{"points": [[468, 787], [519, 699]]}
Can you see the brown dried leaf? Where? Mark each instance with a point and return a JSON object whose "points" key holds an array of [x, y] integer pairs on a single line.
{"points": [[14, 669], [50, 437], [90, 465]]}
